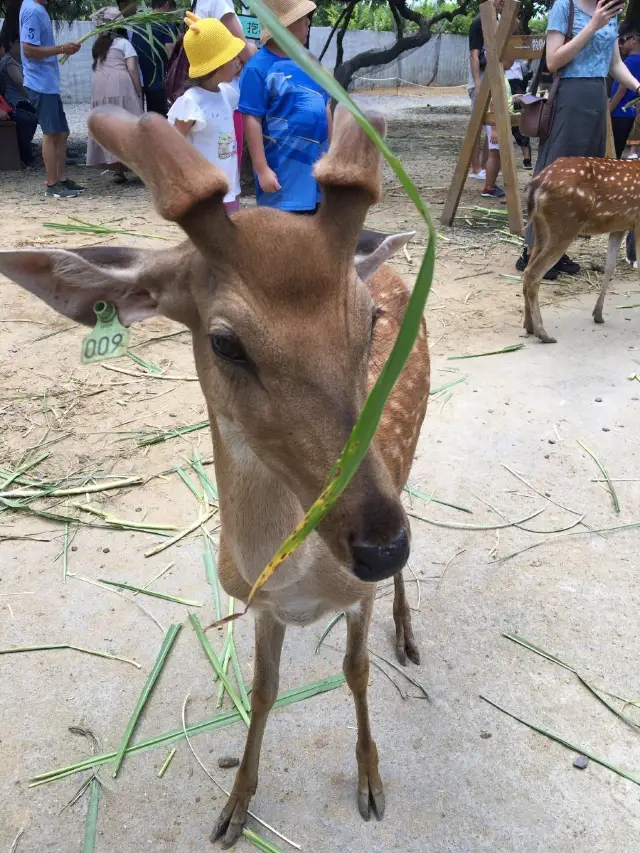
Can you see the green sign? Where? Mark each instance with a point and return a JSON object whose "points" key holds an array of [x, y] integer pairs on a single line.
{"points": [[251, 27]]}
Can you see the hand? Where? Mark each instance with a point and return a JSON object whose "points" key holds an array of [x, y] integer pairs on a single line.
{"points": [[4, 116], [494, 135], [605, 10], [269, 182], [70, 47]]}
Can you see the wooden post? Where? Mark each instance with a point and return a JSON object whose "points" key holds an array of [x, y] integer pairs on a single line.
{"points": [[495, 72], [499, 47]]}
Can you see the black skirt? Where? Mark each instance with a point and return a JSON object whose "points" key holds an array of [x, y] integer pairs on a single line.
{"points": [[579, 126]]}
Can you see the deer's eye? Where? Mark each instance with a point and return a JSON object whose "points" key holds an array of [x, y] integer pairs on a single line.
{"points": [[229, 348]]}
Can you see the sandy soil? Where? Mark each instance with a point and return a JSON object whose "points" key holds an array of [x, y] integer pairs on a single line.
{"points": [[460, 776]]}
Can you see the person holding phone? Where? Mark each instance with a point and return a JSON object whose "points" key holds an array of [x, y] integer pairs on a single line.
{"points": [[579, 127]]}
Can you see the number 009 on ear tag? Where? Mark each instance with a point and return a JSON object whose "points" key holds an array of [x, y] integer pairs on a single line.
{"points": [[109, 338]]}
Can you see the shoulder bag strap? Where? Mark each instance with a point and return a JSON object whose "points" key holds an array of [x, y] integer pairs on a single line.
{"points": [[542, 65]]}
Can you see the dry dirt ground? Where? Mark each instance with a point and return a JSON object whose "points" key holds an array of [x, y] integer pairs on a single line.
{"points": [[460, 776]]}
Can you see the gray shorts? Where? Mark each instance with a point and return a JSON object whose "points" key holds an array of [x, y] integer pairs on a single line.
{"points": [[50, 112]]}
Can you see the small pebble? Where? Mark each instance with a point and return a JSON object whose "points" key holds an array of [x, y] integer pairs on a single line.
{"points": [[581, 762], [105, 550], [138, 509], [552, 441], [546, 456], [598, 399], [228, 761], [485, 735], [606, 429], [74, 547]]}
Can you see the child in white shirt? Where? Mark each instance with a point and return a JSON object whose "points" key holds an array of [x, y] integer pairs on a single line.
{"points": [[204, 114]]}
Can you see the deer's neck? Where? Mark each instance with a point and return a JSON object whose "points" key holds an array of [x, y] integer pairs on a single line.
{"points": [[257, 510]]}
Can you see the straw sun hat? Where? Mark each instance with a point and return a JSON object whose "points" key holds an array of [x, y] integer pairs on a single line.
{"points": [[287, 12], [208, 45]]}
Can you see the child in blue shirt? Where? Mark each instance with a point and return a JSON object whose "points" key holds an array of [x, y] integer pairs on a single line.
{"points": [[287, 120], [622, 120]]}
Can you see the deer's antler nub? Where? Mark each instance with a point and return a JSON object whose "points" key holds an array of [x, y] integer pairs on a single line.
{"points": [[177, 175]]}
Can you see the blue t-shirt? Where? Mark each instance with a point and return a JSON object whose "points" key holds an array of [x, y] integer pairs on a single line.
{"points": [[293, 109], [633, 64], [153, 57], [595, 57], [41, 75]]}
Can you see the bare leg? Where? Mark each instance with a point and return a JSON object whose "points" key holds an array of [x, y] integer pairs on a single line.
{"points": [[49, 155], [269, 634], [612, 259], [493, 168], [356, 670], [405, 641], [61, 155]]}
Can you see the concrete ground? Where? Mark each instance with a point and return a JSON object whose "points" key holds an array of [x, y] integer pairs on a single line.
{"points": [[460, 776]]}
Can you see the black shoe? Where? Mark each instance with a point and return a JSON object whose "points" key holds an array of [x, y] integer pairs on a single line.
{"points": [[523, 260], [527, 163], [566, 266]]}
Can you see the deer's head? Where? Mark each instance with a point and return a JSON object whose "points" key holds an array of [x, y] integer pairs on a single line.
{"points": [[278, 308]]}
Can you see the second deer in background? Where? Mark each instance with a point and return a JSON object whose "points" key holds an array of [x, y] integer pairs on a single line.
{"points": [[572, 196]]}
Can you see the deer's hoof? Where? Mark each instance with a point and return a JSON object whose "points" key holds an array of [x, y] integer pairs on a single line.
{"points": [[371, 801], [545, 338], [408, 648], [597, 317], [232, 819]]}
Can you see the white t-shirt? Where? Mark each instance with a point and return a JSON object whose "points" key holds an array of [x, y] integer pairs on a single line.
{"points": [[214, 8], [213, 134], [126, 47]]}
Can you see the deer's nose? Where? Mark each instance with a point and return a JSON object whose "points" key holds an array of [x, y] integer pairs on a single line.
{"points": [[375, 561]]}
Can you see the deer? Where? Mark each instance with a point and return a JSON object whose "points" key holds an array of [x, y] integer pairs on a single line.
{"points": [[572, 196], [292, 319]]}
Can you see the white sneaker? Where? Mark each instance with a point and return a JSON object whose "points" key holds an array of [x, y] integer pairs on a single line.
{"points": [[479, 176], [632, 157]]}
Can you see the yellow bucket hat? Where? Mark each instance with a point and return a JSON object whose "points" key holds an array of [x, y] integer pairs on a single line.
{"points": [[287, 12], [208, 45]]}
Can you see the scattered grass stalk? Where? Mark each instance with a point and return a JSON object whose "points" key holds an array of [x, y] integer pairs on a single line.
{"points": [[161, 547], [403, 671], [558, 739], [511, 348], [329, 629], [164, 596], [159, 436], [259, 842], [48, 646], [211, 573], [447, 385], [430, 498], [631, 526], [91, 822], [167, 643], [157, 577], [226, 718], [215, 663], [166, 762], [453, 526], [605, 474], [186, 479]]}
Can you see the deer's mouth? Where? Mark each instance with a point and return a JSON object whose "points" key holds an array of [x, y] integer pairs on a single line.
{"points": [[373, 562]]}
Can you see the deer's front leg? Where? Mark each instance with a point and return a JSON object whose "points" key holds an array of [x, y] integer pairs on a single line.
{"points": [[406, 646], [269, 634], [356, 670]]}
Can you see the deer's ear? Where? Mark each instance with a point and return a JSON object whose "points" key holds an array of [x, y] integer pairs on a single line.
{"points": [[350, 177], [375, 248], [72, 282]]}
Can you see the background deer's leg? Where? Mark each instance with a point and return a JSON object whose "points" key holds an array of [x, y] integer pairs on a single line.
{"points": [[548, 248], [612, 259], [356, 670], [406, 646], [269, 634]]}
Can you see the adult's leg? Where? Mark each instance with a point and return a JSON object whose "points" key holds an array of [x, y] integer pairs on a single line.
{"points": [[61, 154], [50, 157], [621, 127], [27, 124], [156, 101]]}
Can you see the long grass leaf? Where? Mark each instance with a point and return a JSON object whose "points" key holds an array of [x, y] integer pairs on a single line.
{"points": [[215, 663], [167, 643], [166, 762], [511, 348], [365, 428], [141, 590], [91, 823], [558, 739], [453, 526], [227, 718], [259, 842], [211, 574], [605, 474], [48, 646], [329, 629]]}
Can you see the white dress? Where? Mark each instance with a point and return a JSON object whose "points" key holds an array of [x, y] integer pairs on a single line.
{"points": [[213, 133]]}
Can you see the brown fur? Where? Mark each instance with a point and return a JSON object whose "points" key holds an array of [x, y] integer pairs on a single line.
{"points": [[572, 196], [285, 289]]}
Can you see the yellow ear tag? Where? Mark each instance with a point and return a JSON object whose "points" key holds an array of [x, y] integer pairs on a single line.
{"points": [[109, 338]]}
